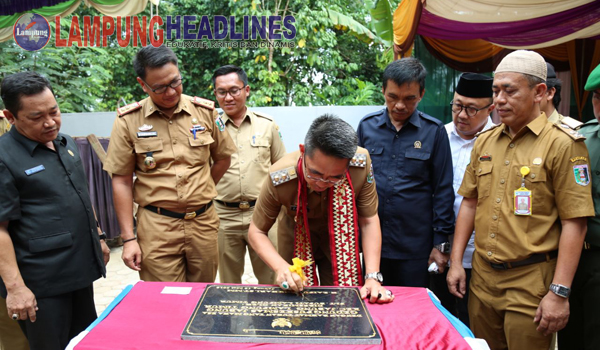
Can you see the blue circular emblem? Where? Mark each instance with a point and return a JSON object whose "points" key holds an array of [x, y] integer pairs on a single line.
{"points": [[31, 32]]}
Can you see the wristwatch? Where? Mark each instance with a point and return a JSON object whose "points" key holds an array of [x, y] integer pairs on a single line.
{"points": [[102, 236], [443, 247], [560, 290], [375, 275]]}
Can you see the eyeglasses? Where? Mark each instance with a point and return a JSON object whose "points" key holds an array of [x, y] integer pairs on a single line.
{"points": [[471, 111], [162, 88], [234, 92], [319, 179]]}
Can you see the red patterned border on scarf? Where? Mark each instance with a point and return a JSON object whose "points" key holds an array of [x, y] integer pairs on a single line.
{"points": [[343, 233]]}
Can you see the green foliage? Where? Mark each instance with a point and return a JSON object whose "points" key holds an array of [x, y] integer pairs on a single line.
{"points": [[326, 65]]}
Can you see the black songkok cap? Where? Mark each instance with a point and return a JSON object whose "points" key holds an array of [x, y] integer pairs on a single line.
{"points": [[551, 71], [474, 85]]}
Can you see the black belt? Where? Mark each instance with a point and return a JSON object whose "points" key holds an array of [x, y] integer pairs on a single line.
{"points": [[172, 214], [241, 205], [588, 246], [534, 259]]}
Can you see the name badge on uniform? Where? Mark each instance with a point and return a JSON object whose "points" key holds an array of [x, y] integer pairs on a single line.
{"points": [[523, 195], [144, 134], [34, 170], [196, 129]]}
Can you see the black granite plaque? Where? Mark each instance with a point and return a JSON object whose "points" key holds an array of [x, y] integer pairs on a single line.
{"points": [[258, 314]]}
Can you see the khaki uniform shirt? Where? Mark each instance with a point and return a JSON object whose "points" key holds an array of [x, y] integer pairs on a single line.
{"points": [[552, 153], [272, 198], [560, 119], [181, 180], [259, 145]]}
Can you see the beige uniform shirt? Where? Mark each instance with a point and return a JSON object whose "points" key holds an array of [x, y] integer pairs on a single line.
{"points": [[258, 145], [181, 180], [560, 119], [555, 156], [272, 198]]}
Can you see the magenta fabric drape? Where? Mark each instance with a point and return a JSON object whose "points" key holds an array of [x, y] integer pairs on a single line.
{"points": [[521, 33]]}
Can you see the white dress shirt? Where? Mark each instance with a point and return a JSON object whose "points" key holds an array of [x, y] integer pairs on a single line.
{"points": [[461, 156]]}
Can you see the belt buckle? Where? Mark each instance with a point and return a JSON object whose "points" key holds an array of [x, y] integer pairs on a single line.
{"points": [[244, 205], [586, 246], [189, 216]]}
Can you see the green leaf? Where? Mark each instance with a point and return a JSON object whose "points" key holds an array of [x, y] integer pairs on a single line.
{"points": [[382, 16], [358, 30]]}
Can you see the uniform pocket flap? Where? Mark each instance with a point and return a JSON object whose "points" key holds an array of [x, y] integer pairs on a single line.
{"points": [[259, 142], [536, 174], [376, 150], [201, 140], [148, 145], [484, 168], [53, 241], [417, 154]]}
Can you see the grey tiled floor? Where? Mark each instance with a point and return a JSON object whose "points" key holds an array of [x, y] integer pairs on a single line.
{"points": [[118, 276]]}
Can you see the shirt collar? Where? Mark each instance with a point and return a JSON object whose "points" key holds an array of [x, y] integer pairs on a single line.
{"points": [[183, 105], [455, 134], [414, 119], [248, 116], [536, 126], [31, 145]]}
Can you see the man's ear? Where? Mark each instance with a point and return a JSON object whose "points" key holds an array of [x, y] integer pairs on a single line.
{"points": [[551, 92], [142, 84], [301, 146], [9, 116], [539, 91]]}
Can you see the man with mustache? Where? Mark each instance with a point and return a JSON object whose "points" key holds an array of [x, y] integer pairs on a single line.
{"points": [[524, 260], [471, 108], [51, 249], [327, 192], [178, 148]]}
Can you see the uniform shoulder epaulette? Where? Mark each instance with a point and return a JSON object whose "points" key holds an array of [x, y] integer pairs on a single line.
{"points": [[488, 130], [359, 160], [571, 123], [591, 122], [128, 109], [572, 133], [202, 102], [262, 115], [284, 175]]}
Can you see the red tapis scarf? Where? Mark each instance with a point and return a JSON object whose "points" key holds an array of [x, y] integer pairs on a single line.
{"points": [[343, 233]]}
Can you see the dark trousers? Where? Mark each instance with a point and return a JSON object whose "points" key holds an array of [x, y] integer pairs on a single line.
{"points": [[405, 273], [60, 318], [457, 306], [583, 329]]}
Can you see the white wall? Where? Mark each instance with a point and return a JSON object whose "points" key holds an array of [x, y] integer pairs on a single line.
{"points": [[293, 121]]}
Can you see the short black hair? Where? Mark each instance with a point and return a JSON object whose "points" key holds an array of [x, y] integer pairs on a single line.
{"points": [[532, 80], [17, 85], [230, 68], [405, 71], [152, 57], [557, 84], [332, 136]]}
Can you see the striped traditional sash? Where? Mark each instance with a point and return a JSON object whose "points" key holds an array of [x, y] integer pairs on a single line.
{"points": [[343, 233]]}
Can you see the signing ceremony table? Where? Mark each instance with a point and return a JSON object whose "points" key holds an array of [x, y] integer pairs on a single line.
{"points": [[144, 318]]}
